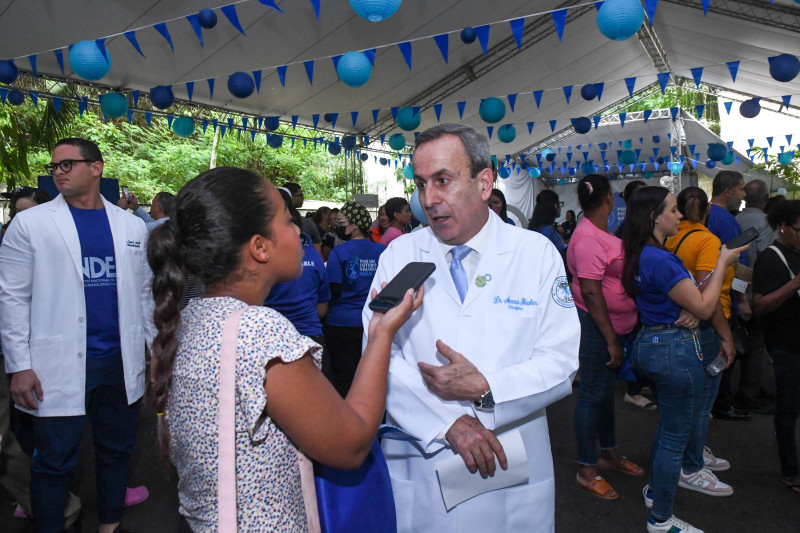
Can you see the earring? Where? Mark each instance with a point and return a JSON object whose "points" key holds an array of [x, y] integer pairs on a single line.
{"points": [[781, 232], [268, 258]]}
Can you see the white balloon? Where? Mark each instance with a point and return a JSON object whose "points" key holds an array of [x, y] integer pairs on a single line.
{"points": [[666, 181], [782, 191]]}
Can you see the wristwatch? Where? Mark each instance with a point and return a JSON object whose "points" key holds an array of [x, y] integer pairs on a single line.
{"points": [[485, 402]]}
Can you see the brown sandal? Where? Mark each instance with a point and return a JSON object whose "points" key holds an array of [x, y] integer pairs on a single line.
{"points": [[599, 487], [624, 465]]}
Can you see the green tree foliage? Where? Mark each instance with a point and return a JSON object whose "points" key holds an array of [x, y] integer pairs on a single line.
{"points": [[685, 97], [789, 173]]}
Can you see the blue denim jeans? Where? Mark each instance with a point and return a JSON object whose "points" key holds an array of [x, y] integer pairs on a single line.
{"points": [[693, 460], [594, 411], [667, 357], [787, 408]]}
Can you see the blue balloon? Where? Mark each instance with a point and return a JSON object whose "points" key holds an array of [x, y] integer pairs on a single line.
{"points": [[550, 157], [348, 142], [207, 18], [408, 172], [375, 10], [784, 67], [328, 117], [587, 167], [716, 151], [241, 84], [572, 171], [364, 157], [492, 110], [656, 139], [534, 172], [16, 97], [728, 159], [88, 62], [582, 125], [276, 141], [504, 172], [710, 163], [628, 157], [562, 181], [272, 123], [334, 149], [8, 71], [602, 146], [183, 126], [547, 151], [750, 108], [647, 175], [407, 119], [784, 158], [416, 208], [589, 91], [161, 96], [354, 69], [397, 141], [620, 19], [506, 133], [675, 168], [660, 160], [383, 161], [468, 35], [627, 144], [114, 105]]}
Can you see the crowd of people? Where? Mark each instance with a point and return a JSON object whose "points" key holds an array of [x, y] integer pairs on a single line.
{"points": [[228, 272]]}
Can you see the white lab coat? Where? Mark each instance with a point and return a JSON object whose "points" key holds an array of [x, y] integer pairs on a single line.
{"points": [[527, 352], [43, 309]]}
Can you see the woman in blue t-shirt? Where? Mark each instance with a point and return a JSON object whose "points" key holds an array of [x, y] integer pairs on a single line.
{"points": [[669, 356], [351, 267]]}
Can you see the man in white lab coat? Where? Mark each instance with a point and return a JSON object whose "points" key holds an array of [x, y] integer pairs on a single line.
{"points": [[495, 342], [76, 309]]}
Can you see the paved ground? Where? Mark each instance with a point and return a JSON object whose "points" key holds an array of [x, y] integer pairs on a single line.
{"points": [[760, 503]]}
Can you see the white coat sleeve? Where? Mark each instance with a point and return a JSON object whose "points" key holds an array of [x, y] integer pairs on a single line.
{"points": [[411, 405], [545, 374], [148, 303], [16, 286]]}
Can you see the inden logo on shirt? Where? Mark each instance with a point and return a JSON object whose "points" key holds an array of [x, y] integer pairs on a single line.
{"points": [[562, 295], [98, 271]]}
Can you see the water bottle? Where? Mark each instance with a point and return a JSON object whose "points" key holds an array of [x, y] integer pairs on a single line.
{"points": [[717, 365]]}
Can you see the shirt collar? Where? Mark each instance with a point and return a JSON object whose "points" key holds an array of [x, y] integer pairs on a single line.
{"points": [[480, 240]]}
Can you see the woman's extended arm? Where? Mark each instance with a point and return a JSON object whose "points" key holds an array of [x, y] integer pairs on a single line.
{"points": [[308, 409], [766, 303]]}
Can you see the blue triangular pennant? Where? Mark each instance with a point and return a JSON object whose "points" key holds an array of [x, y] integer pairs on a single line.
{"points": [[437, 108], [34, 97], [130, 115], [789, 139], [230, 123], [354, 116], [371, 55], [786, 99], [204, 124], [222, 132], [194, 22], [552, 125], [483, 37], [405, 48], [131, 36], [630, 82], [512, 100], [315, 119], [490, 129], [530, 129], [560, 20], [60, 58], [567, 92], [443, 42], [244, 122], [170, 118], [650, 9], [728, 107], [599, 88], [135, 95], [257, 78], [315, 3], [394, 113], [282, 74], [375, 116], [663, 78], [769, 141], [697, 75], [733, 68], [253, 135], [461, 106], [309, 70], [383, 138], [82, 103], [148, 118], [189, 89], [622, 117], [699, 109], [691, 149], [32, 59], [161, 28], [273, 5], [57, 103], [596, 119], [230, 12], [517, 26], [101, 45], [537, 96], [214, 123], [210, 88], [705, 6], [647, 113], [294, 121], [674, 112]]}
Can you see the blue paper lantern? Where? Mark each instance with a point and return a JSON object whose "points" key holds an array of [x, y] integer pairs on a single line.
{"points": [[183, 126], [416, 208], [716, 151], [627, 144], [161, 96], [407, 119], [602, 146], [750, 108], [334, 149], [656, 139], [506, 133], [383, 161], [114, 105], [710, 163], [272, 123], [550, 157], [562, 181], [276, 141], [675, 168], [587, 167], [647, 175], [628, 157], [8, 71], [582, 125], [492, 110], [547, 151], [348, 142], [397, 141], [408, 172], [16, 97], [620, 19], [375, 10], [354, 69], [660, 160], [468, 35], [207, 18], [785, 158], [589, 91], [572, 171], [327, 117], [504, 172], [784, 67], [364, 157], [88, 62], [241, 84], [534, 172], [728, 159]]}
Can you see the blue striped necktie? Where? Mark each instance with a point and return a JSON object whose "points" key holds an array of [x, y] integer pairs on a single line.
{"points": [[458, 253]]}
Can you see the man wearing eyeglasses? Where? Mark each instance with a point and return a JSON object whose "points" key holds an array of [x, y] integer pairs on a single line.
{"points": [[76, 309]]}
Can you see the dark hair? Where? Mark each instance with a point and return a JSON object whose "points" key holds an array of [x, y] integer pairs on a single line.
{"points": [[545, 211], [570, 212], [475, 145], [692, 203], [786, 212], [293, 187], [593, 190], [756, 193], [394, 206], [216, 214], [39, 196], [293, 212], [88, 149], [166, 200], [504, 209], [726, 179], [771, 207], [643, 207], [320, 213], [631, 188]]}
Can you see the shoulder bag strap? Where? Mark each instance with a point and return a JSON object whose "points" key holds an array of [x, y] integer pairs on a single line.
{"points": [[683, 239], [226, 426], [782, 258]]}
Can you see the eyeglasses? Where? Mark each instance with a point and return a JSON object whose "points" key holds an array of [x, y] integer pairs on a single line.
{"points": [[560, 204], [65, 165], [796, 230], [342, 222], [298, 194]]}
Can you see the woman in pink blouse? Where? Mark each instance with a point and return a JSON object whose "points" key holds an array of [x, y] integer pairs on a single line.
{"points": [[399, 213]]}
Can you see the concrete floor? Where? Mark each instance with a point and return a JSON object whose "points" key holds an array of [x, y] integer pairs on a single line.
{"points": [[760, 502]]}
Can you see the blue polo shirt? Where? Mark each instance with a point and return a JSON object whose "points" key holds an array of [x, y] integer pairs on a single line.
{"points": [[297, 299], [659, 272], [550, 232], [99, 282], [722, 224], [352, 264]]}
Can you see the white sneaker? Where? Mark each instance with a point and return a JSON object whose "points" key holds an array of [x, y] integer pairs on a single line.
{"points": [[647, 494], [672, 525], [715, 464], [706, 482]]}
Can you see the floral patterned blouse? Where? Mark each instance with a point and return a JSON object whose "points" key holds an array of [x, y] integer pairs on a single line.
{"points": [[268, 479]]}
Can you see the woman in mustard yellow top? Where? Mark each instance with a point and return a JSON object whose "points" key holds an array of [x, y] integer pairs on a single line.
{"points": [[698, 248]]}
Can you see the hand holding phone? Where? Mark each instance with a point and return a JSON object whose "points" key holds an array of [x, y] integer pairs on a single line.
{"points": [[745, 237], [412, 276], [126, 193]]}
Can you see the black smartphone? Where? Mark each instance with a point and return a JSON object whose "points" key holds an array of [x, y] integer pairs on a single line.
{"points": [[412, 276], [745, 237], [126, 193]]}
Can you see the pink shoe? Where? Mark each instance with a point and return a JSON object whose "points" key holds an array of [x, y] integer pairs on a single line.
{"points": [[136, 495]]}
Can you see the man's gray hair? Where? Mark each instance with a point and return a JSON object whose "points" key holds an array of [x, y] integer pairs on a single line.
{"points": [[475, 144], [756, 193], [725, 180]]}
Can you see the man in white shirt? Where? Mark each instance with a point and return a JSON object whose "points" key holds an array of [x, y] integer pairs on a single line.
{"points": [[494, 344]]}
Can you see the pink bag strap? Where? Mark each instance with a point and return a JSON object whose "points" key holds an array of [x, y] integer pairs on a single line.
{"points": [[309, 492], [226, 424]]}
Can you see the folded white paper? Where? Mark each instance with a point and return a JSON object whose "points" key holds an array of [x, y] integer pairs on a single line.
{"points": [[458, 484]]}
